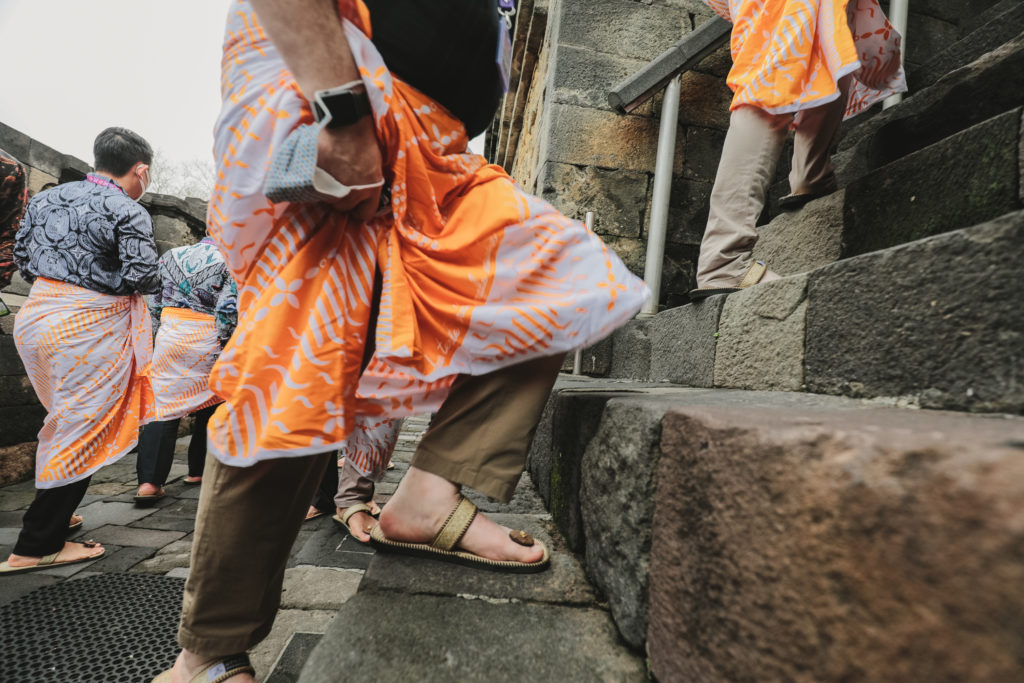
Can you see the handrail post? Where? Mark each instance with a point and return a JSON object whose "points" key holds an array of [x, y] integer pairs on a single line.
{"points": [[898, 10], [577, 357], [660, 197]]}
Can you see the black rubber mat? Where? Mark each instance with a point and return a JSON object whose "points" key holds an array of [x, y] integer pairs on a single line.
{"points": [[106, 628]]}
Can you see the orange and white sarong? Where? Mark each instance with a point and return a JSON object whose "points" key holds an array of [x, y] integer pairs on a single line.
{"points": [[477, 274], [184, 352], [790, 54], [88, 357]]}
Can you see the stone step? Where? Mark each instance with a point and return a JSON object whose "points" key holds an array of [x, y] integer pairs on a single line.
{"points": [[748, 535], [421, 620], [912, 197], [935, 323]]}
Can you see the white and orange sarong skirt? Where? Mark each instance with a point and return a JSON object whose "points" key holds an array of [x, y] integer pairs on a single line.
{"points": [[789, 55], [477, 274], [184, 352], [88, 357]]}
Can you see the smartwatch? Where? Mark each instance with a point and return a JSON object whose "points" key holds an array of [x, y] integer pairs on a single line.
{"points": [[341, 106]]}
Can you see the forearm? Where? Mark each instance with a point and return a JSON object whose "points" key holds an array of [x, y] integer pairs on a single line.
{"points": [[310, 38]]}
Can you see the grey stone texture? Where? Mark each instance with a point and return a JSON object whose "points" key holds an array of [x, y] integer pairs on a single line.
{"points": [[583, 75], [939, 320], [618, 198], [631, 351], [308, 587], [683, 342], [621, 27], [455, 639], [146, 538], [761, 336], [916, 196], [837, 542], [289, 623], [803, 240], [617, 509]]}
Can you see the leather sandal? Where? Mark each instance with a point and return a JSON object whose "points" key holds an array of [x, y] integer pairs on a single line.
{"points": [[754, 275], [217, 671]]}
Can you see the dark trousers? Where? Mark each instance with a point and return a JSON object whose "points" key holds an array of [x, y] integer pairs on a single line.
{"points": [[156, 448], [324, 498], [45, 524]]}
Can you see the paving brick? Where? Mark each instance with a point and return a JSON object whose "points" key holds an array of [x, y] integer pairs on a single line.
{"points": [[17, 585], [307, 587], [123, 535], [102, 513], [179, 515], [122, 559], [683, 341], [287, 623]]}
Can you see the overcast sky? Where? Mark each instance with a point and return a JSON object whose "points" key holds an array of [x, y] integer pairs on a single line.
{"points": [[73, 67]]}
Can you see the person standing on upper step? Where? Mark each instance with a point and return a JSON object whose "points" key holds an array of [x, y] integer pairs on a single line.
{"points": [[478, 291], [800, 65], [84, 336]]}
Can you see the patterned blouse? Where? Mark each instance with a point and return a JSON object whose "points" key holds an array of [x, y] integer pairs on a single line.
{"points": [[90, 234], [13, 191], [196, 277]]}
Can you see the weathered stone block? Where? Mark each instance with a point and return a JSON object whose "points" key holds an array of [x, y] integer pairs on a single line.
{"points": [[803, 240], [928, 36], [701, 153], [856, 544], [704, 101], [616, 197], [621, 27], [592, 137], [596, 360], [687, 211], [761, 336], [917, 196], [583, 76], [20, 423], [938, 320], [171, 232], [631, 351], [683, 343], [618, 509], [429, 638], [17, 463], [37, 178], [16, 391]]}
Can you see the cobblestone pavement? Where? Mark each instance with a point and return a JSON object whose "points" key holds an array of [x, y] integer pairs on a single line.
{"points": [[324, 570]]}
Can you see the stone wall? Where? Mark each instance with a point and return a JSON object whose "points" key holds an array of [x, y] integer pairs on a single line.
{"points": [[559, 138], [175, 222]]}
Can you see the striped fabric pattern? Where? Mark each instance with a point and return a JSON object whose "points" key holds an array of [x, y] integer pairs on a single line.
{"points": [[184, 352], [477, 274], [88, 356], [790, 54]]}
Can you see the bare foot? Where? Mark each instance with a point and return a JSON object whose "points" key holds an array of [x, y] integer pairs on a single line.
{"points": [[312, 513], [188, 664], [374, 508], [75, 520], [360, 523], [148, 490], [422, 503], [70, 551]]}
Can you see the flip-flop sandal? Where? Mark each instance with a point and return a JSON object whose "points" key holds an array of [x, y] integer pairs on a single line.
{"points": [[315, 515], [73, 525], [50, 561], [346, 515], [193, 481], [150, 498], [454, 528], [752, 277], [217, 671]]}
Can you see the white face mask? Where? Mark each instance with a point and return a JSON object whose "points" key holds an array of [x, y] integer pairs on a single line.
{"points": [[145, 183]]}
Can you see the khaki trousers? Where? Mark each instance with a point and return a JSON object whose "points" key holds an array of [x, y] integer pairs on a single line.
{"points": [[749, 157], [249, 517]]}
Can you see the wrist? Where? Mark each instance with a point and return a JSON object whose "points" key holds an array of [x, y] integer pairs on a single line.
{"points": [[341, 106]]}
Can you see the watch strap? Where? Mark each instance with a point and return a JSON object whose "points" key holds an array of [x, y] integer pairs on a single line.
{"points": [[341, 106]]}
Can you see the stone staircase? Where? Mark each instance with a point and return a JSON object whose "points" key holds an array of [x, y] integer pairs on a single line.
{"points": [[750, 480]]}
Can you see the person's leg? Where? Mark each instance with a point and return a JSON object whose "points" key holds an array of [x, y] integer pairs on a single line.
{"points": [[323, 499], [156, 452], [479, 438], [815, 141], [749, 157], [353, 489], [197, 445], [45, 525], [247, 521]]}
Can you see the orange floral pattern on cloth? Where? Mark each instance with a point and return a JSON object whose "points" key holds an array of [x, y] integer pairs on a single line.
{"points": [[476, 274], [184, 352], [790, 54], [88, 356]]}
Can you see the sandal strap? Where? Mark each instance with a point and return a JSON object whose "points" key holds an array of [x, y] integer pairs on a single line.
{"points": [[223, 669], [754, 275], [347, 513], [455, 527], [48, 559]]}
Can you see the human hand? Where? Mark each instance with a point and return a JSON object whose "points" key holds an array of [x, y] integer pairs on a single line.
{"points": [[351, 154]]}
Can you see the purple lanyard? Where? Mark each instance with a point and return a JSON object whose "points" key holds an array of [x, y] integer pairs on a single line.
{"points": [[507, 5]]}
